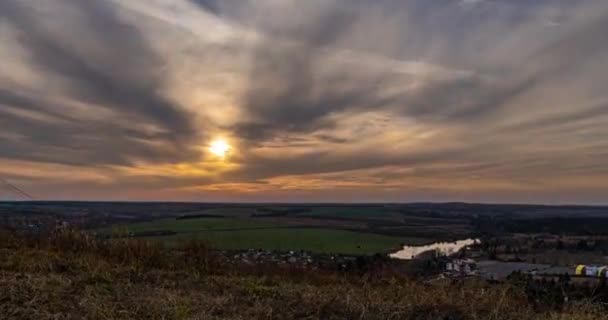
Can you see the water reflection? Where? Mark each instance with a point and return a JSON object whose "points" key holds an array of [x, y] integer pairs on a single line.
{"points": [[442, 248]]}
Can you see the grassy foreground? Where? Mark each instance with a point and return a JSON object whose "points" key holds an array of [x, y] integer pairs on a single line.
{"points": [[69, 275]]}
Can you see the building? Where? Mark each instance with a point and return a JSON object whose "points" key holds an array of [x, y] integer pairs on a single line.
{"points": [[461, 266], [591, 271]]}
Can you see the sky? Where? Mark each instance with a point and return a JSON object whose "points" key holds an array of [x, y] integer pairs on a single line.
{"points": [[318, 100]]}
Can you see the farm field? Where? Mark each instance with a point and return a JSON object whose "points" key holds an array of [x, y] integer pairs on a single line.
{"points": [[353, 213], [193, 225], [323, 228], [238, 234], [336, 228]]}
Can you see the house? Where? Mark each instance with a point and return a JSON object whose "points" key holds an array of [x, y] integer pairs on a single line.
{"points": [[461, 266]]}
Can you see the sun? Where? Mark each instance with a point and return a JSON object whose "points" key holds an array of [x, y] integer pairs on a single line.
{"points": [[219, 147]]}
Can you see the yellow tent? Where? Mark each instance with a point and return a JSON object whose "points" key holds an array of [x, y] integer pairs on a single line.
{"points": [[580, 270]]}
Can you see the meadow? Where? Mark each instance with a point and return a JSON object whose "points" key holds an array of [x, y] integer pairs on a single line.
{"points": [[243, 233]]}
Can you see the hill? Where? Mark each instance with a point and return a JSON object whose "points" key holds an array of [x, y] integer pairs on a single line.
{"points": [[70, 275]]}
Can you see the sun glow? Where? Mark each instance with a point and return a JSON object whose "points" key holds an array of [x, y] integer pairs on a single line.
{"points": [[219, 148]]}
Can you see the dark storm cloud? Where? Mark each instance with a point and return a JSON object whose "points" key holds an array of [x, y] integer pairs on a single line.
{"points": [[103, 61]]}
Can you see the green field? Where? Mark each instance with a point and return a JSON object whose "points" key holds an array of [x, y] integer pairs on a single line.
{"points": [[352, 212], [236, 234], [315, 240]]}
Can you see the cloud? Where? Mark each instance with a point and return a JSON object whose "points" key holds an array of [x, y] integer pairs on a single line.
{"points": [[383, 99], [94, 59]]}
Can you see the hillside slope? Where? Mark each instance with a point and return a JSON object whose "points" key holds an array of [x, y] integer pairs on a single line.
{"points": [[69, 275]]}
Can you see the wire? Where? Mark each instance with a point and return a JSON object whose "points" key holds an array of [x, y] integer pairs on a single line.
{"points": [[17, 190]]}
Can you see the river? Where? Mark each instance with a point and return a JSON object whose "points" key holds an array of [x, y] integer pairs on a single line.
{"points": [[442, 248]]}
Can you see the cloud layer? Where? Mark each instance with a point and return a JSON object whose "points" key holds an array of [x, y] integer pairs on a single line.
{"points": [[332, 100]]}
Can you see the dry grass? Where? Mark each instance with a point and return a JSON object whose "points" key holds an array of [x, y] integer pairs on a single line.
{"points": [[69, 275]]}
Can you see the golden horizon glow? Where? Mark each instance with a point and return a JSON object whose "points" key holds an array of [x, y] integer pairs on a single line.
{"points": [[220, 148]]}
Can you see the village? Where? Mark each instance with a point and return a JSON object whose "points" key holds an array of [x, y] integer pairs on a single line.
{"points": [[470, 262], [540, 257], [303, 260]]}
